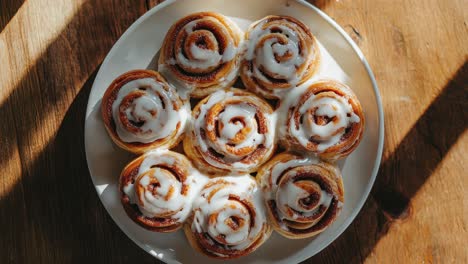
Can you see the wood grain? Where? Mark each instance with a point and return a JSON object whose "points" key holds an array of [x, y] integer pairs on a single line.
{"points": [[50, 52], [417, 209]]}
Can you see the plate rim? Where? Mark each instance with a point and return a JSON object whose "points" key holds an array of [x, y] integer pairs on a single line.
{"points": [[381, 137], [356, 49]]}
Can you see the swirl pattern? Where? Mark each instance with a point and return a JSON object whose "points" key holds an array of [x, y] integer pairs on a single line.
{"points": [[233, 132], [202, 53], [281, 54], [303, 196], [142, 111], [157, 190], [228, 218], [326, 119]]}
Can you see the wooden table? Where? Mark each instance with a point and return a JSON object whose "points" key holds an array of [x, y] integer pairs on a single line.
{"points": [[50, 51]]}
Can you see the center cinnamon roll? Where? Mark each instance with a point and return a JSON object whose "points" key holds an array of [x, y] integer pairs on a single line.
{"points": [[233, 132]]}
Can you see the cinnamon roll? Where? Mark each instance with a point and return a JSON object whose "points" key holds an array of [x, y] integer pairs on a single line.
{"points": [[303, 195], [228, 219], [233, 132], [157, 190], [326, 119], [141, 111], [281, 53], [202, 53]]}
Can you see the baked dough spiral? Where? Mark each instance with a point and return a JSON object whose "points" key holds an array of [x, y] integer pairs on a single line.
{"points": [[202, 53], [233, 132], [281, 53], [326, 119], [228, 219], [141, 111], [303, 195], [157, 190]]}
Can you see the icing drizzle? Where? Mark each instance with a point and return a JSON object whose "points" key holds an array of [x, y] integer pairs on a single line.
{"points": [[165, 186], [233, 131], [146, 110], [314, 111], [280, 54], [302, 196], [204, 52], [231, 212]]}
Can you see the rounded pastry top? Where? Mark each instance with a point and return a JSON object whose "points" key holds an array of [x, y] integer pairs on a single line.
{"points": [[229, 217], [142, 111], [233, 131], [281, 53], [324, 118], [201, 53], [303, 194], [158, 188]]}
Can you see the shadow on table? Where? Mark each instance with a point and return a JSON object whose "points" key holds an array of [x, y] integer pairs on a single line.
{"points": [[51, 214], [8, 9], [404, 172], [62, 206]]}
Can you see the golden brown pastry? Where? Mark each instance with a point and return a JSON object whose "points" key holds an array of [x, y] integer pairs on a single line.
{"points": [[281, 53], [303, 195], [141, 111], [157, 190], [228, 219], [232, 133], [326, 119], [202, 53]]}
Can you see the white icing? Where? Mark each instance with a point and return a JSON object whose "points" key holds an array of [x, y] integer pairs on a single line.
{"points": [[167, 199], [221, 207], [156, 204], [240, 238], [200, 120], [155, 109], [205, 60], [154, 158], [287, 193], [190, 26], [291, 195], [337, 108], [328, 69], [264, 54], [231, 127], [278, 169], [129, 190]]}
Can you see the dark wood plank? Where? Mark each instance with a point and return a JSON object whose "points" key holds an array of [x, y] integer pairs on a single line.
{"points": [[49, 211]]}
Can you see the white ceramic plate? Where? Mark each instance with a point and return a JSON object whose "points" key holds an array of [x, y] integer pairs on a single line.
{"points": [[137, 49]]}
